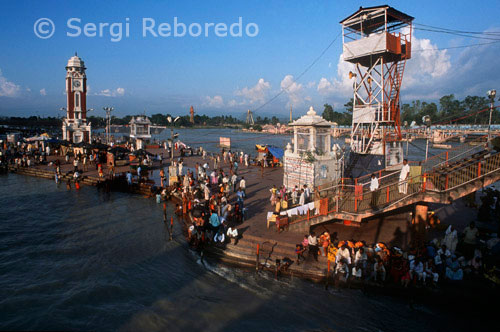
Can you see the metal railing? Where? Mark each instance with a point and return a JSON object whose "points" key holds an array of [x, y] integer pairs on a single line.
{"points": [[347, 199]]}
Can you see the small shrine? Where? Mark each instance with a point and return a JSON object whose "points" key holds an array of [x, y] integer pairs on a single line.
{"points": [[311, 159], [140, 130]]}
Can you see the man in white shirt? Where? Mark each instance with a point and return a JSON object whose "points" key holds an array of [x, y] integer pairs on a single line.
{"points": [[307, 192], [302, 199], [313, 245], [403, 177], [374, 191], [243, 186], [295, 194]]}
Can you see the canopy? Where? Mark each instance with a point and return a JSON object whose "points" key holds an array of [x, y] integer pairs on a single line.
{"points": [[276, 152], [118, 149], [99, 146], [141, 152], [37, 138]]}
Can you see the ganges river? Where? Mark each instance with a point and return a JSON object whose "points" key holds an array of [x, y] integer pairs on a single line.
{"points": [[90, 261]]}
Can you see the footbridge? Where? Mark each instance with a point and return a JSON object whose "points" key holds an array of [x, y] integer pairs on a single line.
{"points": [[431, 181]]}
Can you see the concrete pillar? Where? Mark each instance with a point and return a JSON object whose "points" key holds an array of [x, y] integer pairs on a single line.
{"points": [[295, 142], [312, 138], [329, 141], [421, 213]]}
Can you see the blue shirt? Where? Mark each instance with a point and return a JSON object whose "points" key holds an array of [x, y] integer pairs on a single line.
{"points": [[214, 220]]}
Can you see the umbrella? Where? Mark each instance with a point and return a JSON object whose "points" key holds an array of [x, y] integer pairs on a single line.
{"points": [[118, 149], [141, 152], [99, 146]]}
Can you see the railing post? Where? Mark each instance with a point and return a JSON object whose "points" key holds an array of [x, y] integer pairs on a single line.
{"points": [[387, 195], [446, 183], [257, 258], [308, 215], [355, 196], [446, 157], [478, 169]]}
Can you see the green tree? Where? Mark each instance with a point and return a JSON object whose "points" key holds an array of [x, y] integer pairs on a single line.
{"points": [[349, 105], [328, 113], [257, 127]]}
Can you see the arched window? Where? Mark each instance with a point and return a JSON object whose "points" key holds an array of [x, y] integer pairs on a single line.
{"points": [[77, 99]]}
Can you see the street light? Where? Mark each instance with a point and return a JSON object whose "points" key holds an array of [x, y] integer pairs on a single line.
{"points": [[426, 119], [108, 121], [172, 136], [491, 95]]}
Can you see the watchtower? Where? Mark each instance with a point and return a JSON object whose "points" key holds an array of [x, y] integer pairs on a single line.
{"points": [[377, 40], [249, 119], [191, 114]]}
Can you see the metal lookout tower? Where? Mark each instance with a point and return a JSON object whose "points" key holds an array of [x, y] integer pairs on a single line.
{"points": [[377, 40], [249, 119]]}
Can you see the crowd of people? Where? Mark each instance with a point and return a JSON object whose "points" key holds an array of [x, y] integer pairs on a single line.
{"points": [[452, 258], [215, 198]]}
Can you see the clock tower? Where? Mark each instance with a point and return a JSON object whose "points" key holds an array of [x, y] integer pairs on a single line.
{"points": [[75, 127]]}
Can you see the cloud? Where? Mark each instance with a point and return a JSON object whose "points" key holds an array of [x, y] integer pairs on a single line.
{"points": [[7, 88], [232, 103], [43, 92], [215, 101], [293, 89], [257, 93], [311, 84], [426, 64], [325, 87], [118, 92]]}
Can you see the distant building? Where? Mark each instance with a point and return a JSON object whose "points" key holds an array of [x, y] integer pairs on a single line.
{"points": [[140, 130], [75, 127]]}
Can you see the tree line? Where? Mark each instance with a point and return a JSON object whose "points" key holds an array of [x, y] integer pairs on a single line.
{"points": [[448, 110], [473, 110]]}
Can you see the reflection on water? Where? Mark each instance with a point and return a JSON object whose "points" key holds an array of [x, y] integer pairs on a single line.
{"points": [[85, 260]]}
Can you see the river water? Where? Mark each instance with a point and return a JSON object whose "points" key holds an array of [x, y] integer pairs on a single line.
{"points": [[85, 260]]}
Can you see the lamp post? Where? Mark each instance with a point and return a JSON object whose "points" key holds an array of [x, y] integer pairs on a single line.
{"points": [[491, 95], [108, 121], [172, 136], [426, 119]]}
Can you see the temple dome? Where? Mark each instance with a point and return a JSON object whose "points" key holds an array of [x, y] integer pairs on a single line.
{"points": [[312, 119]]}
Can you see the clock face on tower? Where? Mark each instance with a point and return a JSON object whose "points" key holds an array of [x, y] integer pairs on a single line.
{"points": [[76, 84]]}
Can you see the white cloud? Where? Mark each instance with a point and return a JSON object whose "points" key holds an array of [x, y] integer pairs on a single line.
{"points": [[8, 89], [293, 89], [257, 93], [118, 92], [43, 92], [311, 84], [232, 103], [426, 64], [215, 101], [325, 87]]}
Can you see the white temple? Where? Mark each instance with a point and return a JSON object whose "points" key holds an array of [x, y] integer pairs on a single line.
{"points": [[140, 130], [312, 159]]}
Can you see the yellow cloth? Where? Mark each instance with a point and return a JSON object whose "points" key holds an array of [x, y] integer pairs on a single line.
{"points": [[416, 174]]}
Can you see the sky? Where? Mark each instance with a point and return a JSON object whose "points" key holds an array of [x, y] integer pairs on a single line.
{"points": [[217, 74]]}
